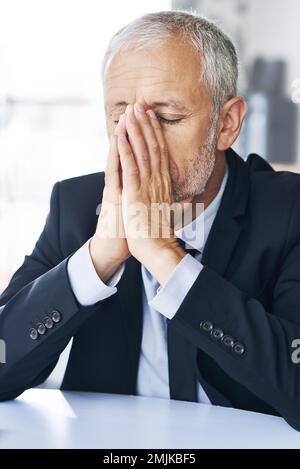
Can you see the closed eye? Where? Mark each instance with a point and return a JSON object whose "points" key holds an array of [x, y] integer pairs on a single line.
{"points": [[168, 121], [161, 119]]}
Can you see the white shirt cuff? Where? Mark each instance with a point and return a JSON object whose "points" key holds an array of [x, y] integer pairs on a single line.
{"points": [[169, 298], [86, 284]]}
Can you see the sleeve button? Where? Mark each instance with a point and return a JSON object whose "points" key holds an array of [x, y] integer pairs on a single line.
{"points": [[228, 341], [41, 328], [56, 316], [238, 348], [48, 322], [206, 325], [217, 333], [33, 333]]}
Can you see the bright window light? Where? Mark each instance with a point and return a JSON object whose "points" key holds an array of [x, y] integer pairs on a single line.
{"points": [[53, 48], [51, 112]]}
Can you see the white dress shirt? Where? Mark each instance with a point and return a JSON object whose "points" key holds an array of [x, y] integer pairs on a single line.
{"points": [[159, 303]]}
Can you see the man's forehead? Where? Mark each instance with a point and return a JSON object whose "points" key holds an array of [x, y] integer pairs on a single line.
{"points": [[171, 69], [174, 94], [165, 78], [152, 61], [130, 74]]}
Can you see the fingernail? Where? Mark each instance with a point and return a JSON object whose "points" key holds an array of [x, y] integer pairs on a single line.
{"points": [[151, 114], [127, 108], [132, 116], [139, 107]]}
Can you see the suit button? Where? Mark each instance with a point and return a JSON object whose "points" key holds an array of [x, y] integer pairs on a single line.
{"points": [[206, 325], [33, 333], [228, 341], [56, 316], [217, 333], [41, 328], [48, 322], [238, 348]]}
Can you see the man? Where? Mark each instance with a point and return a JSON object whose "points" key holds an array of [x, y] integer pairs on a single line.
{"points": [[147, 316]]}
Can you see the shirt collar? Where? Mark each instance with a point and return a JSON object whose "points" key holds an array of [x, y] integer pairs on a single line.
{"points": [[196, 233]]}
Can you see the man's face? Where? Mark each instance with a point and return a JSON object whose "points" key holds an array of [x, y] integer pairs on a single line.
{"points": [[166, 79]]}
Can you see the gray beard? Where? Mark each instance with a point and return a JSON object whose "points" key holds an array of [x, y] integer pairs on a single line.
{"points": [[199, 172]]}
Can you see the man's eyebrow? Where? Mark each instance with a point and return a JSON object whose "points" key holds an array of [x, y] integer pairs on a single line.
{"points": [[117, 104], [172, 104]]}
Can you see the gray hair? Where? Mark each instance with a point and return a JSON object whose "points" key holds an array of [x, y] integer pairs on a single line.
{"points": [[216, 50]]}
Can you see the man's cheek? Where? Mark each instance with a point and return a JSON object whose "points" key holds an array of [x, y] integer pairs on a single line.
{"points": [[174, 142], [179, 145]]}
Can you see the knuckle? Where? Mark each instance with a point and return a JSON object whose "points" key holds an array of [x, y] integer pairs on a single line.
{"points": [[155, 147], [133, 172], [164, 149], [126, 153], [143, 157], [132, 177]]}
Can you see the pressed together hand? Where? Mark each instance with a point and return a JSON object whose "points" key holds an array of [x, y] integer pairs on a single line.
{"points": [[137, 185]]}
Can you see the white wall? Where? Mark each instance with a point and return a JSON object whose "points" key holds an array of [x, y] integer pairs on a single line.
{"points": [[274, 32], [268, 28]]}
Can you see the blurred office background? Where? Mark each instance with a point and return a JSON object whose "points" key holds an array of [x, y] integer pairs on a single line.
{"points": [[51, 111]]}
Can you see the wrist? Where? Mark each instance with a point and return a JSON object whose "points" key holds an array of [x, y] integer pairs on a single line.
{"points": [[163, 261], [104, 264]]}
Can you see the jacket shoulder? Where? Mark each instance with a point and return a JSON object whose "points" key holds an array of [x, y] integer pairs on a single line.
{"points": [[281, 183], [274, 196], [263, 177], [86, 180], [78, 207], [81, 190]]}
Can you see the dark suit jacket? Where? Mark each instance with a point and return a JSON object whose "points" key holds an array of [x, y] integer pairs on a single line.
{"points": [[249, 288]]}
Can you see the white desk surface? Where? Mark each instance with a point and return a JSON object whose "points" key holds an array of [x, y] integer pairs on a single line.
{"points": [[42, 418]]}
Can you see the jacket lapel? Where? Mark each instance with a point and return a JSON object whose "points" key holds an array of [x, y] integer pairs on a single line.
{"points": [[228, 223], [184, 364]]}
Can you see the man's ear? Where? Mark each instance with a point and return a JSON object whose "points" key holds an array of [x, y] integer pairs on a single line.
{"points": [[231, 117]]}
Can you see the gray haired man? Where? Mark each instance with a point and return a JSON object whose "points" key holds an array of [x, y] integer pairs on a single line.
{"points": [[148, 315]]}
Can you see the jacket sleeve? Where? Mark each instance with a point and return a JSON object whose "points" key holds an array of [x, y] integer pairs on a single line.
{"points": [[39, 291], [252, 345]]}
